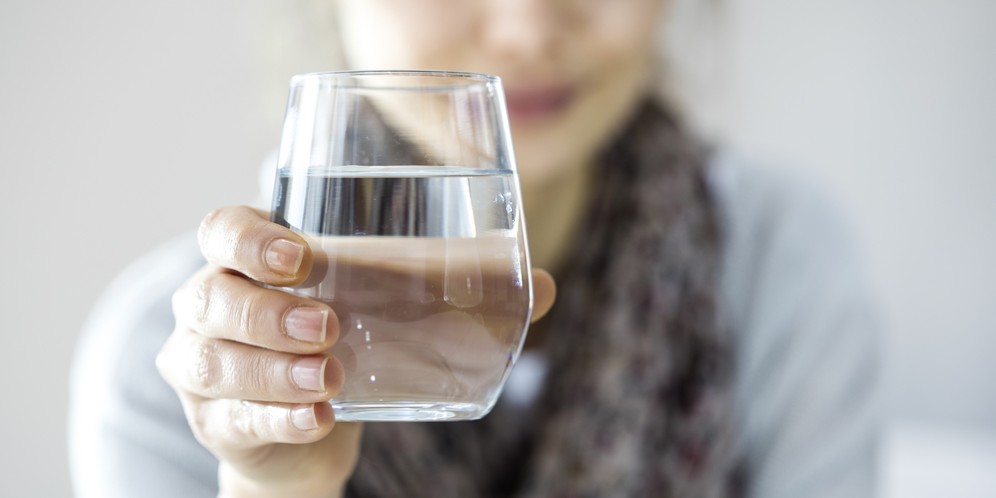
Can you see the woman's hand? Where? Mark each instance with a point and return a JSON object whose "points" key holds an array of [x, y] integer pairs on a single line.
{"points": [[250, 364], [250, 367]]}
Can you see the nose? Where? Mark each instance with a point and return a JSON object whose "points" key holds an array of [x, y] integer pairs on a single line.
{"points": [[524, 29]]}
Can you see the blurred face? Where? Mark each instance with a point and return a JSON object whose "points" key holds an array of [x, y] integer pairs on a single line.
{"points": [[572, 69]]}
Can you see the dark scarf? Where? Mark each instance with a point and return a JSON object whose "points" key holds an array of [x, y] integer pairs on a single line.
{"points": [[637, 400]]}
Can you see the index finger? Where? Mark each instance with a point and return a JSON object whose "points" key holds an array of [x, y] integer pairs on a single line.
{"points": [[243, 239]]}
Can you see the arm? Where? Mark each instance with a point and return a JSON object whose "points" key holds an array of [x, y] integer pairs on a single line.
{"points": [[127, 433], [807, 333], [231, 370], [135, 435]]}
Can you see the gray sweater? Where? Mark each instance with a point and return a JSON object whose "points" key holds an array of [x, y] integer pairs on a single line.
{"points": [[805, 331]]}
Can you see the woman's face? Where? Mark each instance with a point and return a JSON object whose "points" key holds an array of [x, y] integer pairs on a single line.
{"points": [[572, 69]]}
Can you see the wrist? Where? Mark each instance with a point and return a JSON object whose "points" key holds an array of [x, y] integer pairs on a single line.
{"points": [[233, 484]]}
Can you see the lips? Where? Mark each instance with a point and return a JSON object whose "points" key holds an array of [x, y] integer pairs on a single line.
{"points": [[537, 103]]}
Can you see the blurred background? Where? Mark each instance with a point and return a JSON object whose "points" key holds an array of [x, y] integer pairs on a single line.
{"points": [[122, 123]]}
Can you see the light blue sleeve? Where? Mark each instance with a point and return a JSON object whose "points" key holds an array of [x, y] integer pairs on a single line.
{"points": [[806, 334], [127, 433]]}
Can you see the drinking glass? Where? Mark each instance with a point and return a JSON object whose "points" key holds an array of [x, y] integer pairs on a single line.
{"points": [[404, 185]]}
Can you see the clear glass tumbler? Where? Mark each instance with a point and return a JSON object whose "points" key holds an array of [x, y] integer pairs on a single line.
{"points": [[404, 183]]}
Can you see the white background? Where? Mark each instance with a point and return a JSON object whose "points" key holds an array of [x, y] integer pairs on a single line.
{"points": [[121, 123]]}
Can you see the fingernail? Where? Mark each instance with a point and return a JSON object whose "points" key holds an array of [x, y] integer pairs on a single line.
{"points": [[309, 374], [307, 324], [284, 256], [304, 419]]}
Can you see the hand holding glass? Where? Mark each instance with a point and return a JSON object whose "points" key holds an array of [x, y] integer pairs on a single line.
{"points": [[405, 185]]}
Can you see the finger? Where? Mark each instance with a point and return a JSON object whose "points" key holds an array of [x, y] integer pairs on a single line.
{"points": [[242, 239], [214, 368], [544, 293], [229, 426], [226, 306]]}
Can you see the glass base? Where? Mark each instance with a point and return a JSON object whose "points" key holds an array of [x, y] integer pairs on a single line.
{"points": [[406, 411]]}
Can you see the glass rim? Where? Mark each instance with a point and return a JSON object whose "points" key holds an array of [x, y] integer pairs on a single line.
{"points": [[348, 78]]}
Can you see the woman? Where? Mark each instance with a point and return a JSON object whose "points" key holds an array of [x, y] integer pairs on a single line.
{"points": [[711, 337]]}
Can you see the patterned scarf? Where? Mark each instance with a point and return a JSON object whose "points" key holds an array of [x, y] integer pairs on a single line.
{"points": [[637, 400]]}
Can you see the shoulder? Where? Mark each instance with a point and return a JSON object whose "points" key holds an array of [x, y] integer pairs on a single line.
{"points": [[783, 233], [805, 324], [752, 195], [792, 270], [125, 423]]}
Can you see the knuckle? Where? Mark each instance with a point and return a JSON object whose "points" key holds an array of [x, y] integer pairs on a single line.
{"points": [[244, 418], [195, 413], [204, 230], [166, 359], [275, 424], [162, 361], [203, 291], [182, 300], [162, 365], [205, 366], [245, 247], [250, 313], [227, 236], [197, 420], [257, 373], [177, 301]]}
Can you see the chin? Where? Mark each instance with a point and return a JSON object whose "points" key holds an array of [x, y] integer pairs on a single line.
{"points": [[545, 155], [538, 167]]}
